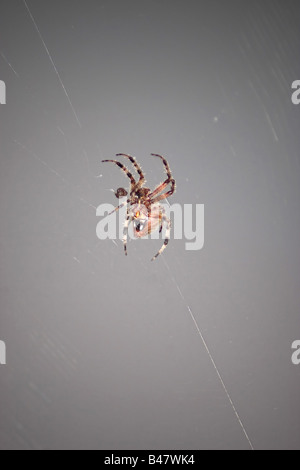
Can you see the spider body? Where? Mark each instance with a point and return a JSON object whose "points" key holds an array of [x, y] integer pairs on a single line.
{"points": [[143, 205]]}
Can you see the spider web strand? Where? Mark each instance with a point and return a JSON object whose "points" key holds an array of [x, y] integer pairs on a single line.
{"points": [[53, 64], [211, 358]]}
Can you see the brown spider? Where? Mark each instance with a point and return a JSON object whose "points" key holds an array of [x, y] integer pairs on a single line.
{"points": [[143, 208]]}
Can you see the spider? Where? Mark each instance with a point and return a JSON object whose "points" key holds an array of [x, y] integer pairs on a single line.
{"points": [[143, 208]]}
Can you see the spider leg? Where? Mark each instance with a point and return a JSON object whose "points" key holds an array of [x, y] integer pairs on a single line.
{"points": [[163, 185], [125, 233], [136, 166], [119, 207], [161, 188], [126, 171], [161, 217], [167, 168], [167, 238]]}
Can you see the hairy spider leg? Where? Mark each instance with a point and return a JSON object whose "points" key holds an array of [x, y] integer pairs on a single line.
{"points": [[166, 195], [167, 168], [167, 238], [161, 218], [161, 187], [141, 181], [125, 232], [126, 171], [119, 207]]}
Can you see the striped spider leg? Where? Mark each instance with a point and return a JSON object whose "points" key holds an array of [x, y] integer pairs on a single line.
{"points": [[161, 187]]}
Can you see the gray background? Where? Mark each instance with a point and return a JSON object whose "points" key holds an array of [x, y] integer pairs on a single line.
{"points": [[102, 351]]}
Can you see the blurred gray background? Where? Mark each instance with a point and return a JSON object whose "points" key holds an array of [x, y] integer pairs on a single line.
{"points": [[102, 350]]}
